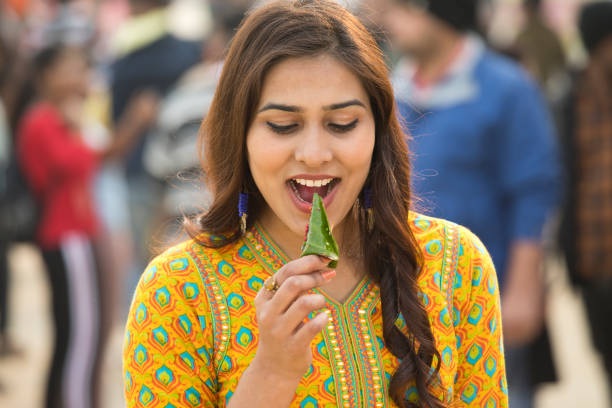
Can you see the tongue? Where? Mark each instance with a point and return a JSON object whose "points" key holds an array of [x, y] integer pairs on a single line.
{"points": [[306, 193]]}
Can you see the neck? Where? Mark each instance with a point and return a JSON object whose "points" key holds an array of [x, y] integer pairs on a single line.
{"points": [[432, 64], [288, 241], [50, 98]]}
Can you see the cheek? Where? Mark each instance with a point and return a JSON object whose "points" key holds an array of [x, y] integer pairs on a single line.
{"points": [[266, 157], [356, 153]]}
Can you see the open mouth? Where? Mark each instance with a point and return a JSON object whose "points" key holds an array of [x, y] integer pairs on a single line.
{"points": [[304, 189]]}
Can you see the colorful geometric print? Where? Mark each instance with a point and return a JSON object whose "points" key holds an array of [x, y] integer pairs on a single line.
{"points": [[191, 331]]}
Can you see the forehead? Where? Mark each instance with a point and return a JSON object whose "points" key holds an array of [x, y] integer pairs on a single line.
{"points": [[320, 80]]}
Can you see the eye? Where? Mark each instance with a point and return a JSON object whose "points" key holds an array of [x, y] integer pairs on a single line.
{"points": [[344, 128], [282, 129]]}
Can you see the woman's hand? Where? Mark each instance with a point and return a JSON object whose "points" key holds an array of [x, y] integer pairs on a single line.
{"points": [[283, 352], [284, 333]]}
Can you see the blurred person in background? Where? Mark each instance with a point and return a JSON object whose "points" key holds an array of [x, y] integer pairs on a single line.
{"points": [[5, 342], [539, 48], [371, 14], [6, 346], [485, 157], [148, 57], [59, 166], [171, 153], [586, 228], [9, 197], [5, 145]]}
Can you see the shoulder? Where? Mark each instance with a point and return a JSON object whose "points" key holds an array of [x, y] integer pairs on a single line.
{"points": [[40, 114], [425, 227], [448, 247], [38, 122], [434, 234], [188, 257], [499, 65], [171, 276], [190, 262], [509, 77]]}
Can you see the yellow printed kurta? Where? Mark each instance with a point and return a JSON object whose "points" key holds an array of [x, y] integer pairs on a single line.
{"points": [[191, 331]]}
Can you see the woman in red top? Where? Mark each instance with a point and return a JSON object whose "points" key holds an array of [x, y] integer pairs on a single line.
{"points": [[59, 167]]}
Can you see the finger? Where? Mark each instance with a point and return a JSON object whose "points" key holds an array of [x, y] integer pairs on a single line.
{"points": [[304, 335], [295, 286], [299, 311], [304, 265], [263, 295]]}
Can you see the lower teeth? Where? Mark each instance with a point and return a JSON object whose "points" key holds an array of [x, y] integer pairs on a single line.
{"points": [[323, 194]]}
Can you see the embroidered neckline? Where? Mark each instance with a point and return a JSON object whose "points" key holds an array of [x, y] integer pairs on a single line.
{"points": [[354, 353]]}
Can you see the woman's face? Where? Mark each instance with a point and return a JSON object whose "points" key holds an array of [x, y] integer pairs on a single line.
{"points": [[68, 76], [313, 132]]}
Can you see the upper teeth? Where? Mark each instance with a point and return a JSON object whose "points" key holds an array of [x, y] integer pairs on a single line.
{"points": [[313, 183]]}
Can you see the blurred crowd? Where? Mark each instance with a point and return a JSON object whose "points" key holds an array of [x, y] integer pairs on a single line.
{"points": [[508, 109]]}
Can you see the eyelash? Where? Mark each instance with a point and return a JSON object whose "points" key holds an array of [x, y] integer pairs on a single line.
{"points": [[336, 127], [281, 129]]}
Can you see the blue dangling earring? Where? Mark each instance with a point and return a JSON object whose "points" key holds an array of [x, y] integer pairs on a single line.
{"points": [[243, 205], [367, 205]]}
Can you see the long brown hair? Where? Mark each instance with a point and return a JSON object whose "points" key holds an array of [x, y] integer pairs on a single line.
{"points": [[288, 29]]}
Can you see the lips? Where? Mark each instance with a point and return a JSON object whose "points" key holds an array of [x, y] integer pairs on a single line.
{"points": [[305, 188]]}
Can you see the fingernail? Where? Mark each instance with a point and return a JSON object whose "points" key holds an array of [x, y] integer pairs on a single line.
{"points": [[323, 259], [327, 275]]}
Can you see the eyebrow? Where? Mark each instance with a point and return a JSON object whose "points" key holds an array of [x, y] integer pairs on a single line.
{"points": [[277, 106], [354, 102], [291, 108]]}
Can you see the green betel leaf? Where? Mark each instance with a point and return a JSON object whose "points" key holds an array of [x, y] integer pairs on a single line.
{"points": [[319, 239]]}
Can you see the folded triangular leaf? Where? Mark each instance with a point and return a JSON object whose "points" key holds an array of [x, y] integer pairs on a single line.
{"points": [[319, 239]]}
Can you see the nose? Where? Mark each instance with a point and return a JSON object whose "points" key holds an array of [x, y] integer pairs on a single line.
{"points": [[313, 147]]}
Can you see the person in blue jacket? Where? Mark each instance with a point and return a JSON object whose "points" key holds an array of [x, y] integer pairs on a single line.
{"points": [[485, 155]]}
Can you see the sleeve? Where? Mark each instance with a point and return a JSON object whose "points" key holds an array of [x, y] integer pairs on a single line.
{"points": [[527, 161], [168, 339], [481, 372]]}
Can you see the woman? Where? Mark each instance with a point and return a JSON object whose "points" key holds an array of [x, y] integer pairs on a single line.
{"points": [[59, 167], [411, 314]]}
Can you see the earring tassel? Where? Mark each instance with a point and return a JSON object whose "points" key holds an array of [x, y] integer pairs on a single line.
{"points": [[243, 223], [370, 219], [243, 201]]}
